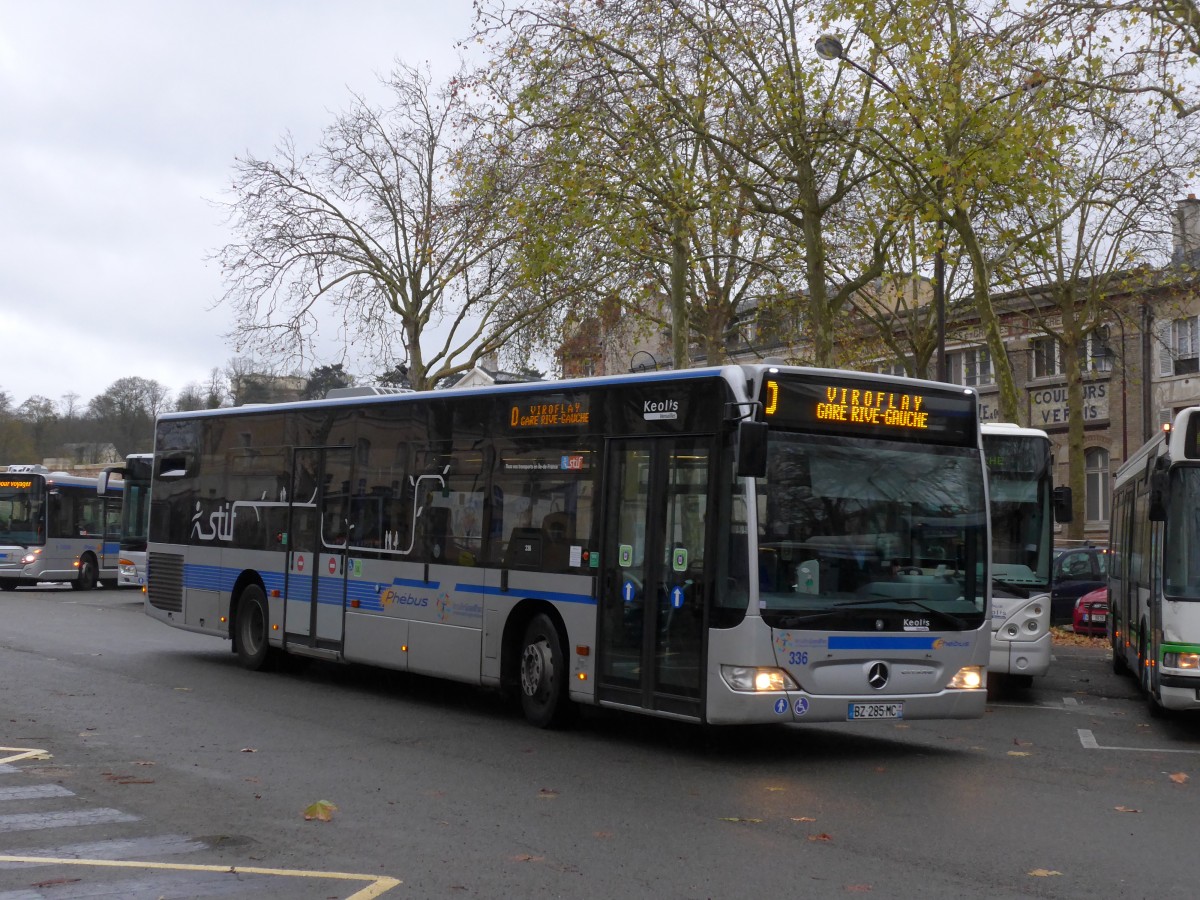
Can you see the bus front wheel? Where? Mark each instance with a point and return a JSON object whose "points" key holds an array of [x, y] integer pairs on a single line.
{"points": [[87, 574], [544, 675], [253, 650]]}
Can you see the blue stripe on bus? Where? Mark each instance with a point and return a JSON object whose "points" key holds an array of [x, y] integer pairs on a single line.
{"points": [[367, 593], [513, 593], [883, 642]]}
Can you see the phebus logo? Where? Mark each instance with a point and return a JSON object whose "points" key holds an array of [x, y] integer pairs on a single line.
{"points": [[659, 410]]}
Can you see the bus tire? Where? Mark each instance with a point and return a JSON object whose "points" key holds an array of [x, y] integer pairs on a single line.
{"points": [[87, 573], [1146, 680], [8, 585], [251, 630], [1119, 665], [543, 675]]}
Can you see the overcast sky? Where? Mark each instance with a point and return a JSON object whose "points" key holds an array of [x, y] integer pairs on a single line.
{"points": [[119, 124]]}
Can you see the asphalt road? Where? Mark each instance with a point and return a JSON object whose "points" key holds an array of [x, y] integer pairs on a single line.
{"points": [[160, 754]]}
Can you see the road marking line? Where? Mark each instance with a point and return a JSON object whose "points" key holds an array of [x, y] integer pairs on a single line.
{"points": [[114, 848], [22, 753], [1090, 743], [66, 819], [33, 792], [379, 886]]}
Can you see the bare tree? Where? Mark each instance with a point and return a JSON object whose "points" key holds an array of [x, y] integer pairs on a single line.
{"points": [[126, 412], [391, 232]]}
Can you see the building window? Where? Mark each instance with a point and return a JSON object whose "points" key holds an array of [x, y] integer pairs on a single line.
{"points": [[893, 368], [1094, 354], [1096, 485], [972, 367], [1179, 353], [1047, 358]]}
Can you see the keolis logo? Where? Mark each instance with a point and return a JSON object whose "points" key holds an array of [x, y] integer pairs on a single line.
{"points": [[659, 410]]}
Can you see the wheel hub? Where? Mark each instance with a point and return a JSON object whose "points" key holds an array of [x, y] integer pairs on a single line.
{"points": [[536, 668]]}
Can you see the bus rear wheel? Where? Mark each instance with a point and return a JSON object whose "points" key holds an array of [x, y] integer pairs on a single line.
{"points": [[544, 675], [250, 630], [87, 574]]}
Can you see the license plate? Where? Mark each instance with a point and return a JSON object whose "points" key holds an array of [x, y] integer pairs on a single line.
{"points": [[1099, 617], [875, 711]]}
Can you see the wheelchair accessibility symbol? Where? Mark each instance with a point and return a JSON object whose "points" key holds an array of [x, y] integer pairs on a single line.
{"points": [[801, 706]]}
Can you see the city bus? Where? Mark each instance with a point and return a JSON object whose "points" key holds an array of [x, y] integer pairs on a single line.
{"points": [[135, 516], [56, 527], [738, 544], [1154, 566], [1023, 503]]}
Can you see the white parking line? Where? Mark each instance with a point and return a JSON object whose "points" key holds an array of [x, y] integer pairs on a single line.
{"points": [[1090, 743]]}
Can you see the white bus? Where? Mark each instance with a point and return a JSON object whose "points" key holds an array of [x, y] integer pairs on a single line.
{"points": [[728, 545], [1024, 504], [1154, 567], [56, 527], [135, 516]]}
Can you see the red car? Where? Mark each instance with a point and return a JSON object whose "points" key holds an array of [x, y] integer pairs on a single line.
{"points": [[1091, 613]]}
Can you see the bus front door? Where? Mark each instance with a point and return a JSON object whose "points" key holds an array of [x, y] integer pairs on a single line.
{"points": [[652, 593], [317, 541]]}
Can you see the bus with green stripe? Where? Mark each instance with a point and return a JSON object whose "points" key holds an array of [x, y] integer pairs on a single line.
{"points": [[728, 545], [1154, 566]]}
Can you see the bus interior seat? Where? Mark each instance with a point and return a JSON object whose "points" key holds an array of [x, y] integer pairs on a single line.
{"points": [[524, 550], [557, 534]]}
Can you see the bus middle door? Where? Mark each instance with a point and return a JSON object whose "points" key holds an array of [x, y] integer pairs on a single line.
{"points": [[652, 591], [318, 542]]}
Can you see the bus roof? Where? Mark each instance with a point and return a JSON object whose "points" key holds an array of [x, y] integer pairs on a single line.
{"points": [[731, 374]]}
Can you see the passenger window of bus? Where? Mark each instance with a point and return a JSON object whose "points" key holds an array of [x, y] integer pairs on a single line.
{"points": [[450, 503]]}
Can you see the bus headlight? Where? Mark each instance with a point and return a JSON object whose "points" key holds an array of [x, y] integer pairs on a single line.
{"points": [[968, 678], [30, 557], [1181, 660], [751, 679]]}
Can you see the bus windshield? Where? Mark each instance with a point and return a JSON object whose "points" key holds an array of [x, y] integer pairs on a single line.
{"points": [[1019, 491], [875, 535], [21, 509], [1181, 549]]}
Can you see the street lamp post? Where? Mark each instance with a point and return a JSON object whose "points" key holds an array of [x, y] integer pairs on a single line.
{"points": [[829, 47]]}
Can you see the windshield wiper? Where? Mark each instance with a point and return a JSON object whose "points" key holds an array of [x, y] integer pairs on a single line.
{"points": [[877, 604], [880, 603], [1024, 591]]}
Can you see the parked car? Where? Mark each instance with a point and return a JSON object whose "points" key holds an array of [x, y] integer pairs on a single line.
{"points": [[1091, 613], [1077, 571]]}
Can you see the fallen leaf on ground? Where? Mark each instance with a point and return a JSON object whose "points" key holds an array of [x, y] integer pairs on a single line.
{"points": [[249, 750], [547, 793], [322, 811], [1018, 753], [1126, 809], [820, 837], [803, 819], [1043, 873], [525, 857], [1179, 778], [739, 819]]}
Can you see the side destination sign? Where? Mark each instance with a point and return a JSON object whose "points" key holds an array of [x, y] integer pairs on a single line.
{"points": [[549, 412]]}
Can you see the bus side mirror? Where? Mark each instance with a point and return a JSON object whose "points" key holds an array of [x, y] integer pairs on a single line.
{"points": [[1158, 497], [751, 449], [1061, 498]]}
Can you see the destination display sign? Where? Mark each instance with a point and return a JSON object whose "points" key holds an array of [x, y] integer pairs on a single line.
{"points": [[871, 409], [553, 411]]}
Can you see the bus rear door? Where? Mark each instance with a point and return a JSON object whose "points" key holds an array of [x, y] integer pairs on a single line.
{"points": [[317, 542]]}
